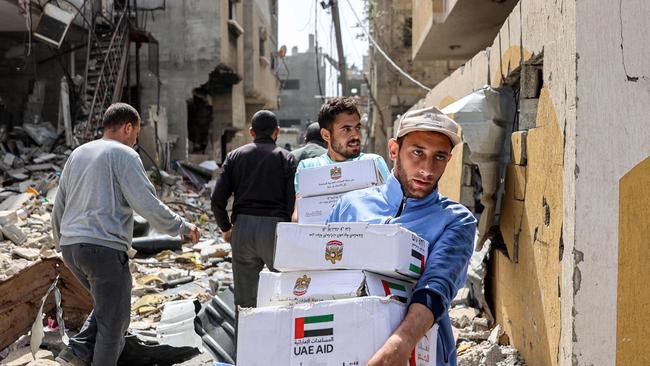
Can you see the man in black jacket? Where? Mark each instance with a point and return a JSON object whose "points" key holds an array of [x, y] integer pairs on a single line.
{"points": [[260, 175]]}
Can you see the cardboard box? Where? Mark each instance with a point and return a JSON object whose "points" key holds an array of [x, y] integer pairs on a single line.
{"points": [[338, 332], [338, 178], [387, 249], [303, 286], [316, 209]]}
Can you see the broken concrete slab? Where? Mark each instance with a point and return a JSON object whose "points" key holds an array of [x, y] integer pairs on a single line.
{"points": [[9, 159], [8, 217], [44, 157], [26, 253], [38, 167], [23, 356], [14, 233], [462, 297], [462, 317], [18, 174], [15, 202]]}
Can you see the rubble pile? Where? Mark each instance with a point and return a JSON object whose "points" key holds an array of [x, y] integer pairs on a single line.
{"points": [[29, 182], [479, 344]]}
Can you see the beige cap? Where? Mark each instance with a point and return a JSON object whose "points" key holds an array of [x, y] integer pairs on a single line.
{"points": [[428, 119]]}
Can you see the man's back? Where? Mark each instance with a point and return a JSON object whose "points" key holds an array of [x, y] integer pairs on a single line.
{"points": [[310, 150], [95, 205], [260, 175]]}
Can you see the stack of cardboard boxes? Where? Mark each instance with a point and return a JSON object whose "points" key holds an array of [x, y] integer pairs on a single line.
{"points": [[321, 187], [341, 291]]}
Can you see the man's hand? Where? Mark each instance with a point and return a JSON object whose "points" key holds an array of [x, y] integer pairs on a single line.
{"points": [[394, 352], [397, 348], [193, 235], [227, 235]]}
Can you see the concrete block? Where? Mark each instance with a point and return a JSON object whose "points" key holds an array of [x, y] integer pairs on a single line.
{"points": [[462, 297], [15, 202], [14, 233], [26, 253], [8, 217], [518, 143], [527, 113]]}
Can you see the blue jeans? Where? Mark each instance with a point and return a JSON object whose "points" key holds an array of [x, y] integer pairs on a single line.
{"points": [[104, 272]]}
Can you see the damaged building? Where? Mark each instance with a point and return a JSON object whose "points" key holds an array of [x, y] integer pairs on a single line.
{"points": [[555, 161], [196, 71]]}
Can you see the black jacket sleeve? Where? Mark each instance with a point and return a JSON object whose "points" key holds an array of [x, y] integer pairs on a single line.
{"points": [[222, 192], [289, 184]]}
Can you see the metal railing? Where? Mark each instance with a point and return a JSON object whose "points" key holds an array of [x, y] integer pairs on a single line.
{"points": [[108, 87]]}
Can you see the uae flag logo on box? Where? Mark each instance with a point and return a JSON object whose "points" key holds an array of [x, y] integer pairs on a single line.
{"points": [[314, 326], [394, 289], [417, 262]]}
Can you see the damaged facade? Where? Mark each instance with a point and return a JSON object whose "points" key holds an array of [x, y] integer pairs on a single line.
{"points": [[555, 197]]}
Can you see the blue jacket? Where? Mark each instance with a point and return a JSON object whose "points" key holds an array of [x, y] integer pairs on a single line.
{"points": [[449, 228]]}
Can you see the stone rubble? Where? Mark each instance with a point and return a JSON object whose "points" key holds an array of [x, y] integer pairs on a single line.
{"points": [[29, 183]]}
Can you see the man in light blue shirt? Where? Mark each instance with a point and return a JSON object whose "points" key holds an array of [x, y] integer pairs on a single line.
{"points": [[410, 198], [340, 126]]}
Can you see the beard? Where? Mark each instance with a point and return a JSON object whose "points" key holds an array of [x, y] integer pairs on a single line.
{"points": [[348, 149], [408, 187]]}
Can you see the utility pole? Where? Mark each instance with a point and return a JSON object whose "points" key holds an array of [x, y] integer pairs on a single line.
{"points": [[343, 72]]}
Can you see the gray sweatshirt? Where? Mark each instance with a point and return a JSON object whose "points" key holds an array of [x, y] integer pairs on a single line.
{"points": [[102, 182]]}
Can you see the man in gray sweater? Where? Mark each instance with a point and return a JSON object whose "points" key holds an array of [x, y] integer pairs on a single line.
{"points": [[101, 185]]}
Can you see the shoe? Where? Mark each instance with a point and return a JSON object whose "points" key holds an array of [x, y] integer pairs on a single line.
{"points": [[68, 358]]}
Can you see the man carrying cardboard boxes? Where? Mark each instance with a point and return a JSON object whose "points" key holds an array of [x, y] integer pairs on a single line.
{"points": [[340, 125], [410, 197]]}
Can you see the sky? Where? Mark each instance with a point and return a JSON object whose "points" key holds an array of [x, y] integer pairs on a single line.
{"points": [[297, 20]]}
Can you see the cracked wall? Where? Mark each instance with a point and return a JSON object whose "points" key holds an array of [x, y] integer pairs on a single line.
{"points": [[611, 137], [533, 298]]}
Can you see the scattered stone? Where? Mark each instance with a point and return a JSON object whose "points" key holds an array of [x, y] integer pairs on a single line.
{"points": [[9, 159], [15, 202], [495, 334], [480, 324], [44, 157], [27, 253], [14, 233], [462, 297], [23, 356], [462, 317]]}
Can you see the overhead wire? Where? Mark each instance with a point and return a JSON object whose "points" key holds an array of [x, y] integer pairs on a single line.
{"points": [[381, 51], [320, 88]]}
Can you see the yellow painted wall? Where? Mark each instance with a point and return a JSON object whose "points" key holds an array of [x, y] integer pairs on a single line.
{"points": [[633, 298], [526, 294]]}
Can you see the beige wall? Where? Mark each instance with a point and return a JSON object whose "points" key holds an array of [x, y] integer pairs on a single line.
{"points": [[611, 138], [529, 295]]}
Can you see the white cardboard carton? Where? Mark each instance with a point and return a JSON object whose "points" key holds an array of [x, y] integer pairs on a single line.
{"points": [[316, 209], [388, 249], [338, 178], [305, 286], [338, 332]]}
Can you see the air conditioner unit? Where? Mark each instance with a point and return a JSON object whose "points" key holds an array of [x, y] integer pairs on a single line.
{"points": [[53, 25]]}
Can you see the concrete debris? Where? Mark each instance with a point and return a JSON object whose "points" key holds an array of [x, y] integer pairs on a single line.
{"points": [[26, 253], [14, 233], [488, 354], [462, 317], [187, 273], [495, 334], [23, 356]]}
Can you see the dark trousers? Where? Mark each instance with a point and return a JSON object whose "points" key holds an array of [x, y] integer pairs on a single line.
{"points": [[104, 272], [253, 246]]}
